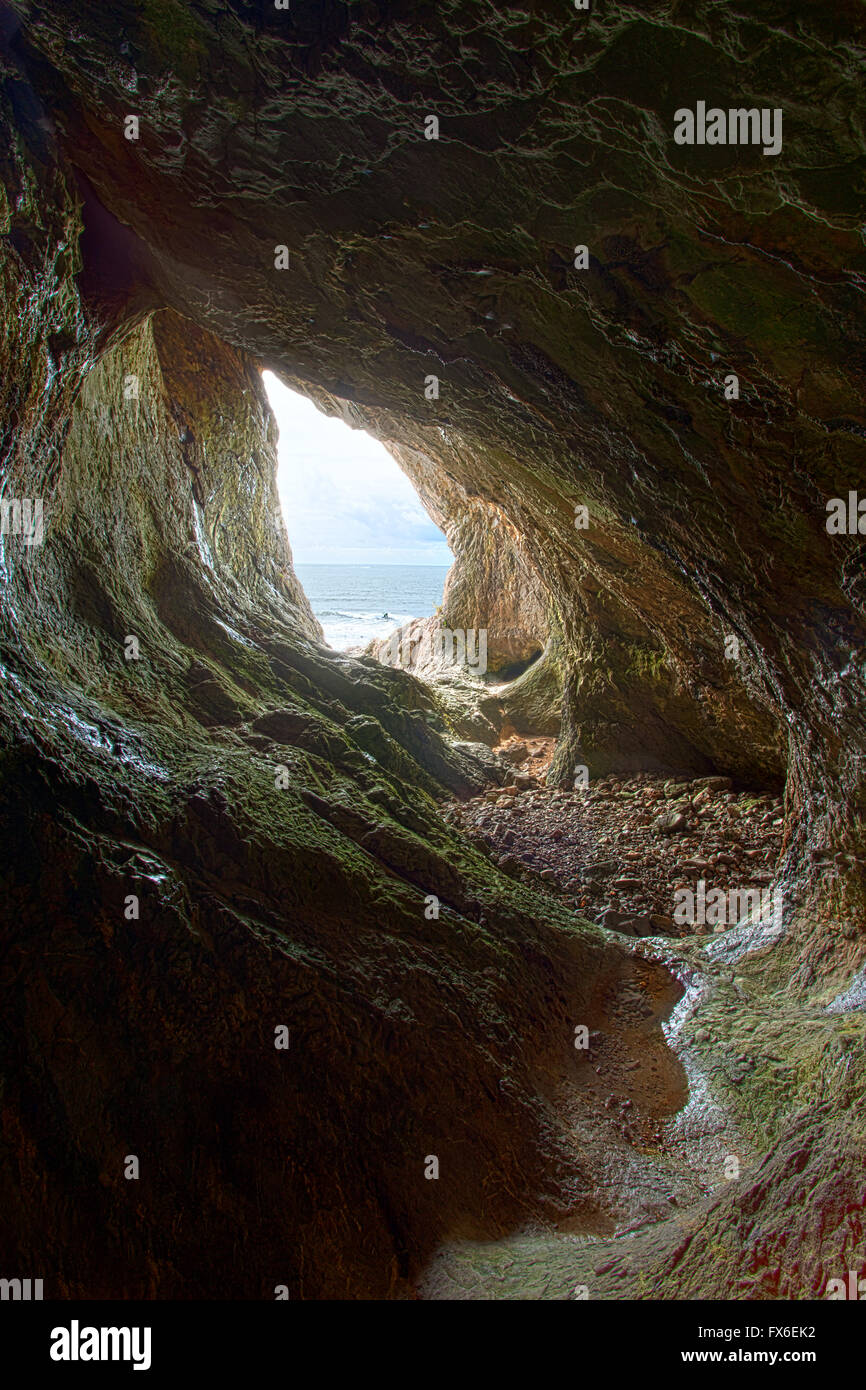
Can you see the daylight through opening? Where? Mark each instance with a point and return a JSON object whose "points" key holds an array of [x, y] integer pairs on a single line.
{"points": [[367, 554]]}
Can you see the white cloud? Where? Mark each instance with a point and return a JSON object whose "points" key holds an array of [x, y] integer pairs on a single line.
{"points": [[344, 499]]}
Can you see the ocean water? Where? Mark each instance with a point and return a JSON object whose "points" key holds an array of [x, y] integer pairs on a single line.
{"points": [[355, 603]]}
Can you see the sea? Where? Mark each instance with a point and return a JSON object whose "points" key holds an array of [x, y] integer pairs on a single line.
{"points": [[357, 603]]}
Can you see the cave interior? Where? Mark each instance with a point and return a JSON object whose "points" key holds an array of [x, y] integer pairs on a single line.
{"points": [[217, 828]]}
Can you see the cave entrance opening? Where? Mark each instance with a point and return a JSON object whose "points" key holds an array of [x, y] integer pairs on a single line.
{"points": [[368, 556]]}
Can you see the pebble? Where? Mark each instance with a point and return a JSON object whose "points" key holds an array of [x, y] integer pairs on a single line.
{"points": [[615, 857]]}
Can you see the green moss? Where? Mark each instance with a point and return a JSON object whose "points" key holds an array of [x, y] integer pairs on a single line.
{"points": [[773, 317], [172, 32]]}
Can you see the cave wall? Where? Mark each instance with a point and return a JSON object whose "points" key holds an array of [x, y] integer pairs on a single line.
{"points": [[154, 259], [229, 831], [491, 584], [558, 387]]}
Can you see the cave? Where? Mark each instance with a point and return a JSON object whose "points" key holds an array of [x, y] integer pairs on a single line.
{"points": [[283, 1007]]}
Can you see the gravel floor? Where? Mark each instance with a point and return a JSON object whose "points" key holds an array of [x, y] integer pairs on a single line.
{"points": [[620, 849]]}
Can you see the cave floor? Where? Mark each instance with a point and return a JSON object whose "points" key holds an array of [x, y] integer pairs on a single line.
{"points": [[649, 1137], [691, 1053], [620, 849], [663, 1112]]}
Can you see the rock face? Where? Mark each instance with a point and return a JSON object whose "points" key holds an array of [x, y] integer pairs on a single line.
{"points": [[558, 387], [217, 828], [491, 587], [207, 831]]}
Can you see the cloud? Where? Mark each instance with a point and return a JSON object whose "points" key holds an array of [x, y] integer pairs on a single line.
{"points": [[344, 499]]}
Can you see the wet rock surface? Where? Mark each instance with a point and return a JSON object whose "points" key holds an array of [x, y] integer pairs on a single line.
{"points": [[559, 387], [714, 1161]]}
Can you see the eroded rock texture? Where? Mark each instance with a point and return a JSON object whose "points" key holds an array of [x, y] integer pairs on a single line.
{"points": [[142, 298], [228, 834], [492, 578]]}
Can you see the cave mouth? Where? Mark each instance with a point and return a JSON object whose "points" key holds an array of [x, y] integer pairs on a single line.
{"points": [[366, 553]]}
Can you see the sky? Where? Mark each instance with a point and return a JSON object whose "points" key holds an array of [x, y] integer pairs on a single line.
{"points": [[344, 499]]}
